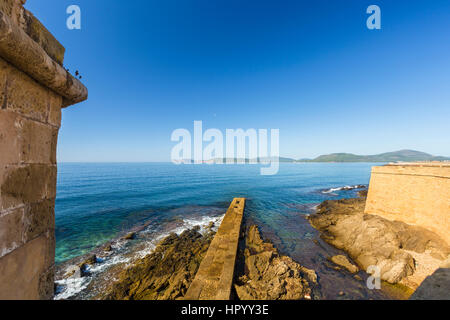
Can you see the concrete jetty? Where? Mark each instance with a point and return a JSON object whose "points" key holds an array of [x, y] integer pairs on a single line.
{"points": [[214, 278]]}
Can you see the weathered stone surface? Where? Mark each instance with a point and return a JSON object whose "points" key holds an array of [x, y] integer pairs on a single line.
{"points": [[214, 278], [270, 276], [46, 285], [167, 273], [10, 142], [36, 31], [374, 241], [33, 27], [39, 218], [25, 54], [21, 271], [33, 88], [417, 194], [26, 184], [13, 8], [26, 141], [4, 71], [11, 231], [23, 94], [24, 224], [54, 113]]}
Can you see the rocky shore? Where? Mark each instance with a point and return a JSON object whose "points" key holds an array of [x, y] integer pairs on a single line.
{"points": [[344, 244], [168, 271], [405, 254], [165, 274], [267, 275]]}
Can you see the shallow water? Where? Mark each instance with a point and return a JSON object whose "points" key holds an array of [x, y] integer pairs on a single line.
{"points": [[98, 202]]}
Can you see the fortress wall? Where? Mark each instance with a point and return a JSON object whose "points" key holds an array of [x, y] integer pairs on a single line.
{"points": [[416, 193], [33, 88]]}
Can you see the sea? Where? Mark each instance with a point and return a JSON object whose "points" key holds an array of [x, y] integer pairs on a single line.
{"points": [[99, 203]]}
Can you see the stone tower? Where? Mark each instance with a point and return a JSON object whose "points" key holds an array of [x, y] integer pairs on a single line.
{"points": [[34, 86]]}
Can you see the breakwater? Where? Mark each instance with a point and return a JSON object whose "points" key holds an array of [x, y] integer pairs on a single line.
{"points": [[214, 278]]}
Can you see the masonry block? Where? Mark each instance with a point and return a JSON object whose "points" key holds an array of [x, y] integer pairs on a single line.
{"points": [[11, 230], [26, 141], [24, 95], [27, 184], [21, 271]]}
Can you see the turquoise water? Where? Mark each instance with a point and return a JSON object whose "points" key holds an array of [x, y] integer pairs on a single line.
{"points": [[98, 202]]}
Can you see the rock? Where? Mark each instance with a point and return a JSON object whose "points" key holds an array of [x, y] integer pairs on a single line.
{"points": [[167, 273], [91, 260], [211, 225], [341, 293], [363, 193], [107, 248], [73, 272], [357, 277], [374, 241], [81, 270], [270, 276], [436, 286], [130, 236], [342, 261]]}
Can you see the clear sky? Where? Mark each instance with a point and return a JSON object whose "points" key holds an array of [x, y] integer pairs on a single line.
{"points": [[309, 68]]}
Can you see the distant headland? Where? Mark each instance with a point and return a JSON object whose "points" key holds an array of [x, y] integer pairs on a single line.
{"points": [[396, 156]]}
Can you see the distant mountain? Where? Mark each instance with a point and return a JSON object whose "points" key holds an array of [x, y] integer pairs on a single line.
{"points": [[402, 156], [397, 156]]}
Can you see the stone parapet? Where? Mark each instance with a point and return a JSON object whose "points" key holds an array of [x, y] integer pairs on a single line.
{"points": [[27, 45]]}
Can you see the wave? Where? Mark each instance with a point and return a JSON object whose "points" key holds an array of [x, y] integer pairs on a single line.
{"points": [[345, 188], [122, 255]]}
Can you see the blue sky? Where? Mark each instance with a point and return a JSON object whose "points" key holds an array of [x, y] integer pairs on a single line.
{"points": [[309, 68]]}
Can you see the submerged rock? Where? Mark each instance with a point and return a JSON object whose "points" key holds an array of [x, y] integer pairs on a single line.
{"points": [[80, 270], [271, 276], [73, 272], [342, 261], [374, 241], [130, 236], [167, 273], [91, 260]]}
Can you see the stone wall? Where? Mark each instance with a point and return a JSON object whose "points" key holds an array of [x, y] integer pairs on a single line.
{"points": [[416, 193], [34, 87]]}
